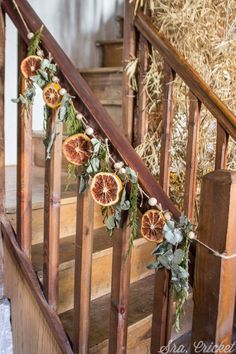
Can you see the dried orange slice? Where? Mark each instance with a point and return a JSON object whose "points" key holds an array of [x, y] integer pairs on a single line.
{"points": [[152, 224], [30, 65], [78, 149], [106, 188], [51, 95]]}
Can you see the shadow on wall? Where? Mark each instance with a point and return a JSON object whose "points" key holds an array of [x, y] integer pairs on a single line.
{"points": [[78, 24]]}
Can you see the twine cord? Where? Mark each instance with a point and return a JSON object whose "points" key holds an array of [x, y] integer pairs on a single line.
{"points": [[216, 253], [21, 16]]}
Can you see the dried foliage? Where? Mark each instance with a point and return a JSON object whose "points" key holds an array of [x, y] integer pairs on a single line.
{"points": [[204, 32]]}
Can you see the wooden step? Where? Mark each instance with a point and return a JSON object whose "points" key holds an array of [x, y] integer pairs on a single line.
{"points": [[106, 84], [139, 319], [101, 268], [111, 52]]}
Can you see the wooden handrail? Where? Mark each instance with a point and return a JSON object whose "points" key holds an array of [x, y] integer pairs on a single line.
{"points": [[89, 101], [193, 80]]}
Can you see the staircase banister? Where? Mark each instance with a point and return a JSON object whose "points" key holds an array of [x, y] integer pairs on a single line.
{"points": [[187, 73], [85, 94]]}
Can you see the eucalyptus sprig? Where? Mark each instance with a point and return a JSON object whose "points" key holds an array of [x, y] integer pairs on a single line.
{"points": [[35, 42], [173, 254]]}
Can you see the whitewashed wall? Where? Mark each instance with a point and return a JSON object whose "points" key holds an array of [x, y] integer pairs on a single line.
{"points": [[76, 25]]}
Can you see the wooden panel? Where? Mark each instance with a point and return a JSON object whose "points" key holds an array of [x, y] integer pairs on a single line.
{"points": [[192, 157], [215, 281], [36, 327], [52, 196], [129, 52], [221, 148], [121, 264], [142, 116], [83, 271], [24, 163], [89, 106], [193, 80], [167, 124]]}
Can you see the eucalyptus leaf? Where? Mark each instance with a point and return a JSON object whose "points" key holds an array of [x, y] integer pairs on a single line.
{"points": [[178, 256], [110, 222], [124, 204], [62, 114], [132, 174], [44, 74], [96, 145], [154, 265], [82, 184]]}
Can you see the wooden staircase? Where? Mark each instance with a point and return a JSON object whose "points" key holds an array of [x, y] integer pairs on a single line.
{"points": [[148, 318], [141, 279]]}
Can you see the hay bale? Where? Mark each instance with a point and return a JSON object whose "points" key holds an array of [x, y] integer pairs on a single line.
{"points": [[204, 32]]}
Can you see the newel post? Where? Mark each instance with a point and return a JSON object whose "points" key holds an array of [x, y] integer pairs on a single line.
{"points": [[215, 278]]}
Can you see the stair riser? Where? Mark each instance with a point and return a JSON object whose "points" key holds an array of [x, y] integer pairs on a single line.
{"points": [[101, 273], [111, 54], [67, 221], [138, 339]]}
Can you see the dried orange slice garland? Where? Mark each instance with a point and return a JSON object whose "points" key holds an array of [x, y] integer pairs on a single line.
{"points": [[152, 225], [78, 149], [30, 65], [106, 188], [108, 182], [51, 95]]}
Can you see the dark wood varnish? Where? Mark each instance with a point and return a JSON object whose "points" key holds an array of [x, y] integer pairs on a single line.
{"points": [[129, 51], [52, 201], [24, 163], [83, 271], [221, 148], [192, 156], [121, 263], [215, 282], [167, 126]]}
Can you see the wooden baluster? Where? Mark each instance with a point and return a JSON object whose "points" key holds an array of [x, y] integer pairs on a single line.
{"points": [[221, 147], [129, 51], [24, 163], [52, 195], [121, 264], [167, 124], [162, 306], [2, 144], [83, 270], [142, 116], [215, 281], [192, 156]]}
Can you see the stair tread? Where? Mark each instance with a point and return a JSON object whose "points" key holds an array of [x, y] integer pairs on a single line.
{"points": [[140, 306], [110, 41], [37, 188], [101, 70], [101, 241]]}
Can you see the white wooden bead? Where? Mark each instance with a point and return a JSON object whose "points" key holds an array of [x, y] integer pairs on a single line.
{"points": [[30, 35], [152, 201], [62, 91], [89, 131], [118, 165]]}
